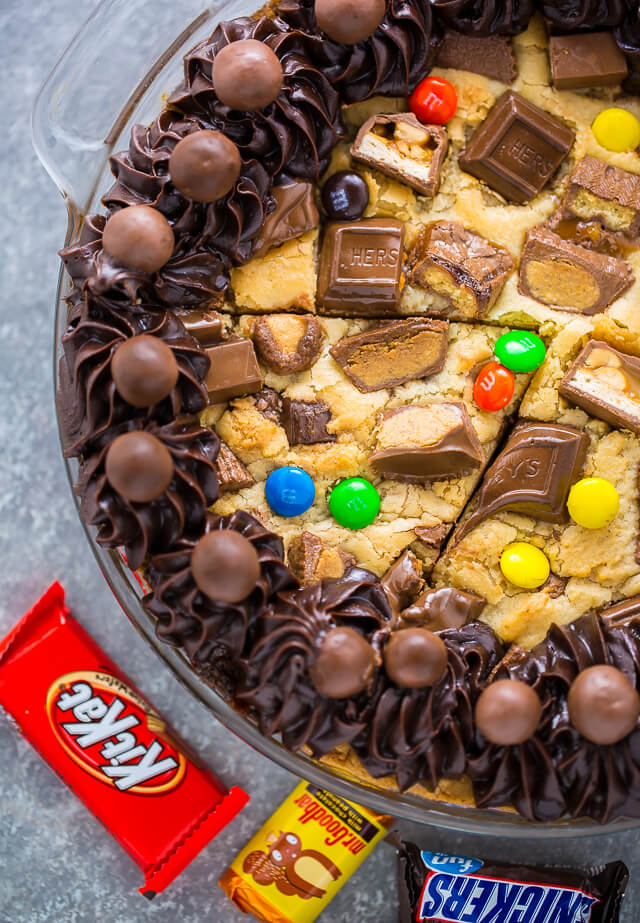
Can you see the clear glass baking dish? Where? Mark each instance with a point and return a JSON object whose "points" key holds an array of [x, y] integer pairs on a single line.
{"points": [[83, 113]]}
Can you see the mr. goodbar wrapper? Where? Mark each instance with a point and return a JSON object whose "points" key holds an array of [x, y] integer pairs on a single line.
{"points": [[95, 730], [301, 857], [438, 888]]}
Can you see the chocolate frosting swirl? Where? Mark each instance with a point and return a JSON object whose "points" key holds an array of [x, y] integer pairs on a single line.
{"points": [[391, 62], [211, 631], [146, 528], [89, 402], [485, 17], [276, 683], [297, 132], [422, 735], [583, 15]]}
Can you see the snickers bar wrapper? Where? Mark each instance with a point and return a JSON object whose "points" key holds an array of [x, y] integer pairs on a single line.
{"points": [[301, 857], [438, 888]]}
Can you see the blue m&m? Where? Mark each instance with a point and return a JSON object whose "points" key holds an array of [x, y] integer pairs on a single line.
{"points": [[289, 491]]}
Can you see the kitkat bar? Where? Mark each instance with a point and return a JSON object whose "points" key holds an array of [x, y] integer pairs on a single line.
{"points": [[606, 384], [95, 730]]}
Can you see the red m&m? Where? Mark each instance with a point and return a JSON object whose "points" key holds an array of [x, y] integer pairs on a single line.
{"points": [[494, 386], [434, 101]]}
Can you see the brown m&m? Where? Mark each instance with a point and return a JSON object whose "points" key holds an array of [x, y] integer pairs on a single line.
{"points": [[144, 370], [138, 466], [415, 658], [205, 165], [225, 566], [344, 665], [349, 21], [603, 705], [140, 237], [247, 75], [508, 712], [345, 196]]}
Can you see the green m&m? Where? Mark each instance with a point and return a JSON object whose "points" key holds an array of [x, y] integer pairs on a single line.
{"points": [[354, 503], [520, 350]]}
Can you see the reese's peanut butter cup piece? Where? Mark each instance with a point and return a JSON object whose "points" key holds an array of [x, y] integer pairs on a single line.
{"points": [[288, 342]]}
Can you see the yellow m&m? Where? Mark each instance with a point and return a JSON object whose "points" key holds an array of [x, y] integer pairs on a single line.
{"points": [[593, 503], [524, 565], [616, 130]]}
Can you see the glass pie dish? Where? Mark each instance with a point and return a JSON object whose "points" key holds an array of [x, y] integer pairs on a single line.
{"points": [[82, 115]]}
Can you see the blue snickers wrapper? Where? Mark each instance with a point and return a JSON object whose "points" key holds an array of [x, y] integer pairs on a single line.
{"points": [[437, 888]]}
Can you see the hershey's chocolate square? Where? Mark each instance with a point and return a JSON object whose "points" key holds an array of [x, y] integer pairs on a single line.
{"points": [[586, 60], [234, 370], [361, 267], [205, 326], [517, 149]]}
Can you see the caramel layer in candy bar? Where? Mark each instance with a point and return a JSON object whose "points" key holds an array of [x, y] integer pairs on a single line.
{"points": [[586, 60], [403, 147], [517, 149], [490, 55], [605, 383], [464, 271], [598, 190], [564, 275]]}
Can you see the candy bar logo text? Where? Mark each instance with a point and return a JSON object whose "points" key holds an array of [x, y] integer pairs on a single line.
{"points": [[472, 899], [111, 733], [337, 832]]}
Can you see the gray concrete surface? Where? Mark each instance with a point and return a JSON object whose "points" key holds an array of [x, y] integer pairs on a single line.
{"points": [[57, 864]]}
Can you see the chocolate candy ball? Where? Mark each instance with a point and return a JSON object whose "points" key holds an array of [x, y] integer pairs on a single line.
{"points": [[205, 166], [139, 237], [345, 195], [225, 566], [344, 665], [349, 21], [415, 658], [247, 75], [144, 370], [508, 712], [603, 705], [139, 467]]}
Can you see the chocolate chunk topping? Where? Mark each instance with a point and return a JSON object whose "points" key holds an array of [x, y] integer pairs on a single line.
{"points": [[138, 466], [205, 326], [605, 383], [311, 559], [269, 403], [432, 536], [603, 705], [349, 21], [288, 342], [360, 267], [517, 149], [394, 353], [232, 474], [403, 581], [345, 196], [586, 60], [444, 608], [426, 442], [597, 190], [246, 74], [234, 370], [225, 566], [139, 237], [555, 586], [415, 658], [464, 271], [403, 147], [144, 370], [621, 614], [563, 275], [295, 214], [508, 712], [531, 475], [205, 165], [305, 422], [344, 664], [492, 56]]}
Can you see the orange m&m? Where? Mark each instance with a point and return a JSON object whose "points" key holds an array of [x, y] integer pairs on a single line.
{"points": [[494, 386]]}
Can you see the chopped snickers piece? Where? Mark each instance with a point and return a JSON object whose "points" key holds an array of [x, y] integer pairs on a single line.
{"points": [[311, 559], [234, 370], [403, 581], [288, 342], [564, 275], [586, 59], [426, 442], [305, 422], [444, 608], [555, 586], [532, 475], [432, 537], [599, 191], [403, 147], [205, 326], [232, 474], [294, 214], [464, 271], [492, 55], [606, 384], [361, 267], [517, 149], [393, 353], [269, 403]]}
